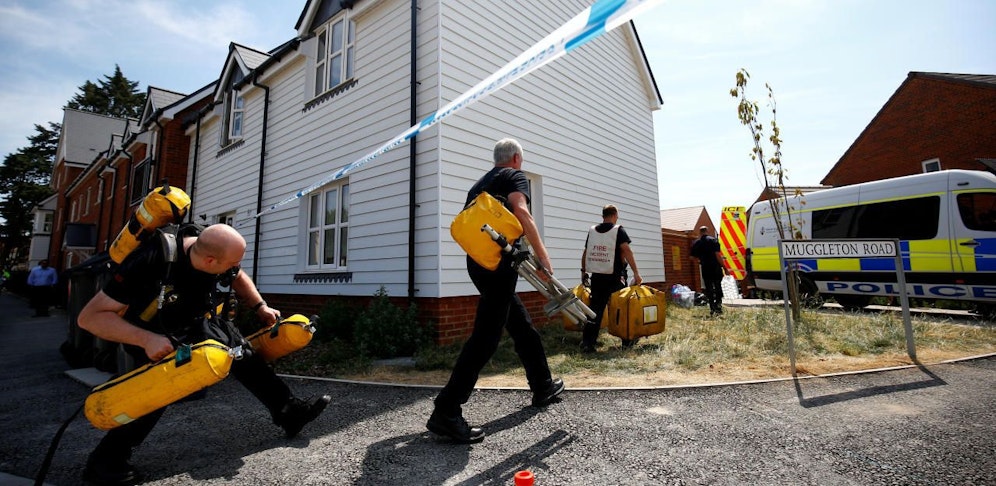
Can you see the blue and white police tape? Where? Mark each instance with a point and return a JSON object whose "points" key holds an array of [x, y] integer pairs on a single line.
{"points": [[601, 17]]}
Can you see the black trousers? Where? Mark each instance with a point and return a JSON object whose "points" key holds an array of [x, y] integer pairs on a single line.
{"points": [[499, 308], [602, 287], [40, 297], [714, 293], [251, 372]]}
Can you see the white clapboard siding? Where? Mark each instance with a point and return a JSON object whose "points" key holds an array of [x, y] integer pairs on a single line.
{"points": [[584, 121]]}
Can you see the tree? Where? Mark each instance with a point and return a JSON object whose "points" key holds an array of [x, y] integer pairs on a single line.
{"points": [[749, 114], [24, 180], [115, 96]]}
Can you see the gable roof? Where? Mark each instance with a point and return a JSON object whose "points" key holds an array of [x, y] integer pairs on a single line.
{"points": [[985, 81], [240, 57], [156, 99], [682, 219], [84, 135]]}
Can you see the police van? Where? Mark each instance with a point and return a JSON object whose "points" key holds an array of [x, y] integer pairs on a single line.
{"points": [[946, 226]]}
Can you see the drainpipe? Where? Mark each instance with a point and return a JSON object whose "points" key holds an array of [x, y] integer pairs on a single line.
{"points": [[262, 166], [157, 162], [127, 188], [411, 155]]}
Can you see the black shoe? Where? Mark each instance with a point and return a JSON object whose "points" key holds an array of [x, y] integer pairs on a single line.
{"points": [[118, 474], [549, 394], [298, 412], [454, 427]]}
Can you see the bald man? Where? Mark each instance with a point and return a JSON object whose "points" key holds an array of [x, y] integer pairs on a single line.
{"points": [[205, 261]]}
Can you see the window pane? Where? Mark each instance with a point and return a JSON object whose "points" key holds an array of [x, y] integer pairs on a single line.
{"points": [[313, 247], [978, 211], [349, 63], [336, 40], [331, 200], [345, 204], [320, 79], [320, 54], [329, 247], [351, 33], [240, 102], [343, 233], [316, 212], [237, 124], [335, 70], [907, 219]]}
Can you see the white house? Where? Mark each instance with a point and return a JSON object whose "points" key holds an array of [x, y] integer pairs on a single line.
{"points": [[347, 84]]}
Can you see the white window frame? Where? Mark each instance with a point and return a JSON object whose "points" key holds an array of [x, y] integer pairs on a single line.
{"points": [[319, 226], [927, 164], [227, 218], [47, 219], [236, 116], [324, 71]]}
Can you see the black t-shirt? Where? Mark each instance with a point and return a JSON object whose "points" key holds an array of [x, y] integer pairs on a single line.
{"points": [[705, 249], [189, 296], [500, 182], [619, 265]]}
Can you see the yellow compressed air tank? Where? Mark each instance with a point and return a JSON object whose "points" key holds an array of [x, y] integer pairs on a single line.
{"points": [[160, 207], [158, 384], [466, 229], [282, 338]]}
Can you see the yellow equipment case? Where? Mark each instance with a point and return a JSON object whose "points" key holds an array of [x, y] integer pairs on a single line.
{"points": [[282, 338], [466, 229], [584, 295], [158, 384], [636, 312]]}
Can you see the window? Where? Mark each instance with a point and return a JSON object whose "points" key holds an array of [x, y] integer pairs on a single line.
{"points": [[978, 210], [47, 223], [89, 196], [235, 108], [932, 165], [227, 218], [140, 180], [334, 54], [328, 228], [907, 219]]}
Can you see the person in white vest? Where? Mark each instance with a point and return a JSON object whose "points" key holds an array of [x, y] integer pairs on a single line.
{"points": [[606, 253]]}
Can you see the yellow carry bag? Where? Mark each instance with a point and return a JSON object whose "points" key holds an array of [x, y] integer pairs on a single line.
{"points": [[584, 295], [187, 370], [466, 229], [635, 312], [282, 338]]}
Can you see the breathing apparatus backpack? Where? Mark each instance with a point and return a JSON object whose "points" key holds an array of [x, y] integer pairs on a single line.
{"points": [[160, 207]]}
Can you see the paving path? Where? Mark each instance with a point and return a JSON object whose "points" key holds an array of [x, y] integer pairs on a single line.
{"points": [[929, 425]]}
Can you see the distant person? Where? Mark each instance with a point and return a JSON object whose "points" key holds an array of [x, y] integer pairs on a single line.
{"points": [[706, 249], [606, 253], [41, 287], [4, 278], [498, 309]]}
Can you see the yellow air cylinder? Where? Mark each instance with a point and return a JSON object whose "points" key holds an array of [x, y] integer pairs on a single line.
{"points": [[156, 385], [282, 338], [160, 207], [466, 229]]}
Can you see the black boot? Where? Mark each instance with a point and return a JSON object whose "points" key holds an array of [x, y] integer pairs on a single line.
{"points": [[453, 427], [117, 472], [549, 393], [296, 413]]}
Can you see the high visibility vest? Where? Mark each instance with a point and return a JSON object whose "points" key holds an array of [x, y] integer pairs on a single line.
{"points": [[600, 254]]}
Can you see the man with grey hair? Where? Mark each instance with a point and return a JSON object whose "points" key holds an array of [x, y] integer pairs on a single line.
{"points": [[499, 308]]}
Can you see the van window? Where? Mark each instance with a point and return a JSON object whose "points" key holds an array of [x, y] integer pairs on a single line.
{"points": [[907, 219], [978, 210]]}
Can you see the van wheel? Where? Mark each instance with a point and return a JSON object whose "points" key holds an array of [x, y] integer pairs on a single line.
{"points": [[809, 295], [852, 303]]}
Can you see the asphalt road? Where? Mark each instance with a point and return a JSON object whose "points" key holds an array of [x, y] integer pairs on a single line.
{"points": [[922, 425]]}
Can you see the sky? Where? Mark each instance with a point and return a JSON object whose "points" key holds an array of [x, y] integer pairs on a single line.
{"points": [[832, 64]]}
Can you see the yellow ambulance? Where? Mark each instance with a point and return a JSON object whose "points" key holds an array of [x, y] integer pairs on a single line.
{"points": [[945, 222]]}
